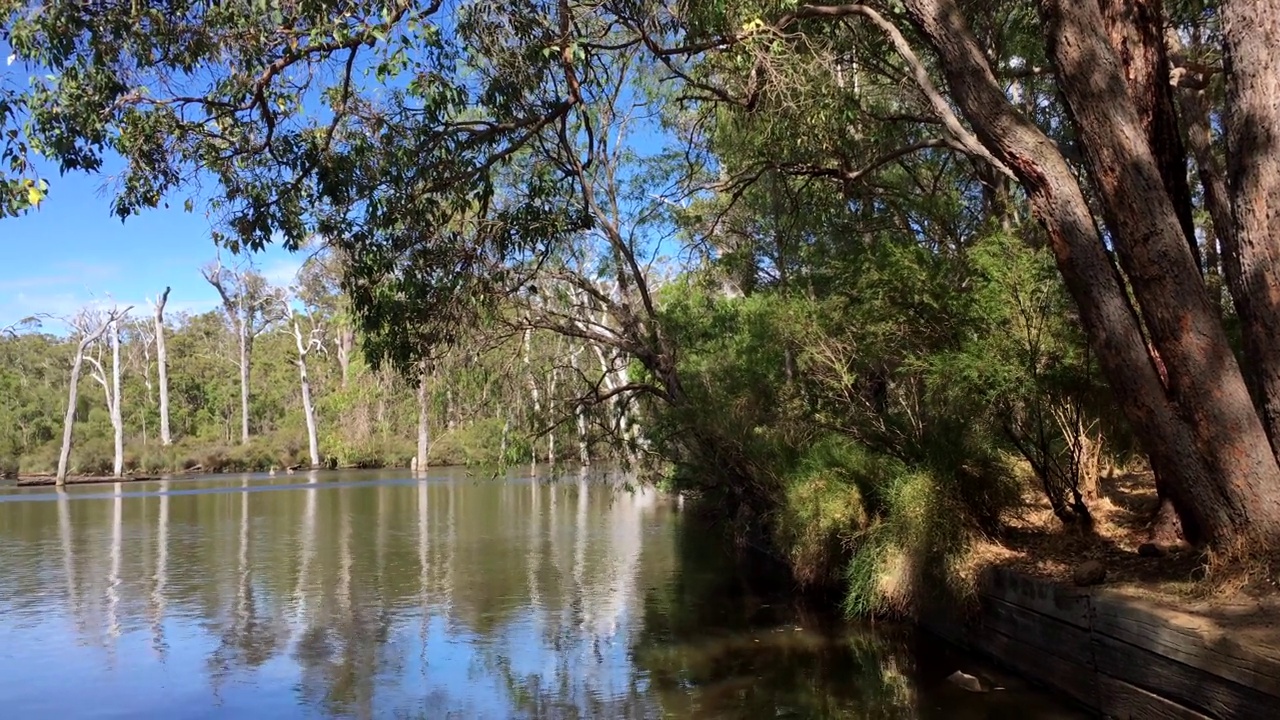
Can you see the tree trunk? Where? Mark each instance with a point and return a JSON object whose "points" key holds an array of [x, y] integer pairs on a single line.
{"points": [[580, 412], [551, 435], [162, 369], [244, 388], [68, 423], [424, 416], [346, 341], [1135, 29], [117, 420], [533, 393], [1205, 381], [1193, 471], [308, 408], [1251, 29]]}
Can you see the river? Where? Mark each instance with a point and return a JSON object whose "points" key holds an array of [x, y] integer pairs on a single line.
{"points": [[370, 594]]}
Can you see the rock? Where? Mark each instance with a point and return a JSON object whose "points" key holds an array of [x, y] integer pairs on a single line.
{"points": [[965, 681], [1090, 572], [1150, 550]]}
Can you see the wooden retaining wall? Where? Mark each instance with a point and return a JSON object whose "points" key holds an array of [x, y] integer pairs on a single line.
{"points": [[1121, 656]]}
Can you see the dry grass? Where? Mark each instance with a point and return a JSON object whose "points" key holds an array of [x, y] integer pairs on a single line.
{"points": [[1037, 544]]}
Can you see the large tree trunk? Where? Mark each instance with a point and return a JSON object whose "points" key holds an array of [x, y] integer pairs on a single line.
{"points": [[1135, 29], [117, 419], [1252, 33], [1213, 486], [1205, 381], [162, 367]]}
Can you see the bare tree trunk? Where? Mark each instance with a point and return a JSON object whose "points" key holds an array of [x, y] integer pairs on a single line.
{"points": [[162, 368], [424, 417], [551, 436], [68, 423], [580, 410], [117, 419], [1251, 29], [89, 337], [244, 389], [308, 408], [533, 390]]}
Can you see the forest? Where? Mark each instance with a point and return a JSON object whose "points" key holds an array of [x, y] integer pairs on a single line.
{"points": [[864, 281], [305, 381]]}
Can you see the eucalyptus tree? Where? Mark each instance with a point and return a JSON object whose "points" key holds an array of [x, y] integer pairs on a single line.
{"points": [[251, 307], [89, 326], [162, 365], [110, 382], [1072, 104], [307, 329]]}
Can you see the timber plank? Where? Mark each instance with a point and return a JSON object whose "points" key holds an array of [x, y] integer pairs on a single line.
{"points": [[1119, 700], [1189, 640], [1040, 631], [1066, 604], [1185, 685], [1069, 678]]}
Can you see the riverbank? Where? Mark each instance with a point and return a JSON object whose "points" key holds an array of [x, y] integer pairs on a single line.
{"points": [[1123, 627]]}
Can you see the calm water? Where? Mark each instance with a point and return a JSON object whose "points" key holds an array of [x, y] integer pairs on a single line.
{"points": [[371, 595]]}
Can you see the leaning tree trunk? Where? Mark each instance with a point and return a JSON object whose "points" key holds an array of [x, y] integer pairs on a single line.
{"points": [[1205, 381], [1251, 29], [68, 423], [117, 420], [162, 368], [1135, 29], [1216, 502]]}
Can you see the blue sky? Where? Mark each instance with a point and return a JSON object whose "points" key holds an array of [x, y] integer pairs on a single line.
{"points": [[74, 252]]}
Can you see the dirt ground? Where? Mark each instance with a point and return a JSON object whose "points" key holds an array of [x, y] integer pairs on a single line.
{"points": [[1241, 598]]}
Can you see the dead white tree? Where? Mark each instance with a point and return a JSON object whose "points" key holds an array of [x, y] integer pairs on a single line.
{"points": [[162, 366], [90, 326], [424, 418], [138, 358], [580, 412], [250, 307], [111, 385], [307, 340]]}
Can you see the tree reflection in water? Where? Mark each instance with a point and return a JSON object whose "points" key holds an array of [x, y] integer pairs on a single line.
{"points": [[368, 595]]}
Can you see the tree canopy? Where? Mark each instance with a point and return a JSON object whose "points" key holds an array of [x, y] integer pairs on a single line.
{"points": [[911, 239]]}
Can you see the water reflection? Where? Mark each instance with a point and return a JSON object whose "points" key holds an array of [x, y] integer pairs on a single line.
{"points": [[370, 595]]}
